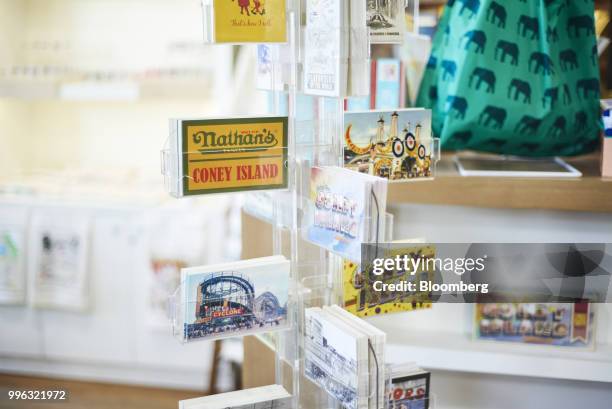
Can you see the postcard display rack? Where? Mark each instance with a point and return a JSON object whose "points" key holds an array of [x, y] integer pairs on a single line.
{"points": [[314, 145]]}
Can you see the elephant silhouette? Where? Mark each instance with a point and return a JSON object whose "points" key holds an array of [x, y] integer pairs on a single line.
{"points": [[496, 14], [483, 75], [558, 128], [495, 142], [551, 95], [471, 5], [578, 24], [505, 48], [432, 62], [594, 55], [541, 62], [528, 125], [567, 95], [433, 93], [477, 37], [520, 88], [552, 35], [580, 121], [449, 69], [587, 87], [458, 105], [528, 25], [529, 146], [568, 59], [493, 116], [462, 137]]}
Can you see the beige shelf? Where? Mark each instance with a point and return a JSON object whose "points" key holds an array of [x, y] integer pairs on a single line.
{"points": [[590, 193]]}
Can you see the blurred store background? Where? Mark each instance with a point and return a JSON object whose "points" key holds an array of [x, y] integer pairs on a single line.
{"points": [[86, 90]]}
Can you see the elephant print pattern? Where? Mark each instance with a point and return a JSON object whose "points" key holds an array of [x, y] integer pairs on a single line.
{"points": [[541, 63], [496, 14], [505, 48], [568, 60], [449, 68], [483, 75], [458, 105], [529, 27], [493, 116], [472, 7], [514, 77], [580, 25], [520, 88], [477, 37]]}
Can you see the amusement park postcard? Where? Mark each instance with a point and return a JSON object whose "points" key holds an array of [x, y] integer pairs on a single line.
{"points": [[396, 145], [233, 299], [249, 21]]}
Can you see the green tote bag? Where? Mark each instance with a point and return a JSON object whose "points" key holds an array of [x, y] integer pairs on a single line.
{"points": [[517, 77]]}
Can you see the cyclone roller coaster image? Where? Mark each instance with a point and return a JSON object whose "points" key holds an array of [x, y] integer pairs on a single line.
{"points": [[227, 302]]}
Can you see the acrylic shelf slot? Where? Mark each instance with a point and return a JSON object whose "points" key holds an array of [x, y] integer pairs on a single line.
{"points": [[457, 352]]}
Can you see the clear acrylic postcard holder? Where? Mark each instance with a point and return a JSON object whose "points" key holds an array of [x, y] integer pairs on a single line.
{"points": [[235, 312], [318, 291], [276, 206]]}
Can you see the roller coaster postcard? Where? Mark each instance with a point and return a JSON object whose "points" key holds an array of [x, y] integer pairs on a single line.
{"points": [[374, 144], [235, 299]]}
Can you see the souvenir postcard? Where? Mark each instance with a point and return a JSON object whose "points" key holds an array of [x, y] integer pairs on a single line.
{"points": [[234, 299], [12, 264], [263, 397], [60, 254], [409, 389], [334, 358], [559, 324], [361, 299], [249, 21], [386, 20], [377, 341], [228, 155], [326, 48], [388, 85], [345, 208], [396, 145]]}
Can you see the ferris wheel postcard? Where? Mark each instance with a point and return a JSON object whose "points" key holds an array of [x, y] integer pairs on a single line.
{"points": [[235, 299]]}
